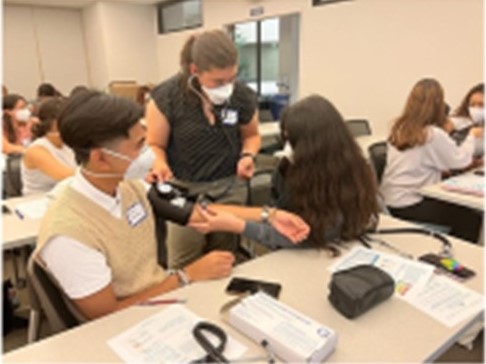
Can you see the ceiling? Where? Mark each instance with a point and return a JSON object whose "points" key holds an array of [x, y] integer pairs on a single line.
{"points": [[75, 3]]}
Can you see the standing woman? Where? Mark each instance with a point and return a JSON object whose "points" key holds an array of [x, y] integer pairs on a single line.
{"points": [[202, 125]]}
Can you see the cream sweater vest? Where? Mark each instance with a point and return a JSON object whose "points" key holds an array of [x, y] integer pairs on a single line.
{"points": [[130, 251]]}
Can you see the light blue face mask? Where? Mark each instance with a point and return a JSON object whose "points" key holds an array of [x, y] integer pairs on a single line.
{"points": [[135, 169]]}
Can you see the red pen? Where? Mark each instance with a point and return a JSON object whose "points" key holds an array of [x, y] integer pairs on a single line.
{"points": [[162, 302]]}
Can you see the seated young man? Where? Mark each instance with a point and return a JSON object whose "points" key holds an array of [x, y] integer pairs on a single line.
{"points": [[97, 238]]}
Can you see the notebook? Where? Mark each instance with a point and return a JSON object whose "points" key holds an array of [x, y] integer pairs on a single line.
{"points": [[467, 183]]}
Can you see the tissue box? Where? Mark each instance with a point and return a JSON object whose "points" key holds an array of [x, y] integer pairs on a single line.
{"points": [[292, 336]]}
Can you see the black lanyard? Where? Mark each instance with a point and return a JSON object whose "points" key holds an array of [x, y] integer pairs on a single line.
{"points": [[446, 250]]}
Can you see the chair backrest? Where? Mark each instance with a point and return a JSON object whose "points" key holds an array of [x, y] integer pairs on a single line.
{"points": [[359, 127], [12, 176], [46, 297], [259, 187], [377, 153], [128, 89]]}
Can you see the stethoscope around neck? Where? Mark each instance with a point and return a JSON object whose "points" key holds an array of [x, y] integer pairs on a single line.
{"points": [[221, 115]]}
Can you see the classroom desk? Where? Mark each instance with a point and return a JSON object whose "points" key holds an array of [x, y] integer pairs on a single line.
{"points": [[18, 232], [458, 198], [269, 132], [462, 199], [392, 332]]}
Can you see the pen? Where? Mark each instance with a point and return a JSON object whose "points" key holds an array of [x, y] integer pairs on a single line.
{"points": [[161, 302], [19, 214]]}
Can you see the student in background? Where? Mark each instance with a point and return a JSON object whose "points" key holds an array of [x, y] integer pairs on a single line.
{"points": [[326, 180], [16, 124], [202, 125], [47, 160], [469, 114], [46, 90], [77, 89], [471, 110], [143, 94], [419, 150], [97, 238]]}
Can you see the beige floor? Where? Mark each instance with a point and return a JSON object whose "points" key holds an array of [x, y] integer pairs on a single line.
{"points": [[18, 337]]}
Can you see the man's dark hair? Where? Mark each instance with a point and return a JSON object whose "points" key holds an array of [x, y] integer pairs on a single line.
{"points": [[77, 89], [91, 119], [46, 90]]}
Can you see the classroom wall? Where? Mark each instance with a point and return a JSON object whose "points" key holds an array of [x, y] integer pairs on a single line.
{"points": [[35, 50], [95, 45], [130, 41], [365, 55], [92, 46]]}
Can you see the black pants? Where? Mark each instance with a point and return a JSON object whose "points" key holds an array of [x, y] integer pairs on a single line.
{"points": [[464, 223]]}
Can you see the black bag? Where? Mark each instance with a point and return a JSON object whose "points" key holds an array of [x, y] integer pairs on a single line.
{"points": [[354, 291]]}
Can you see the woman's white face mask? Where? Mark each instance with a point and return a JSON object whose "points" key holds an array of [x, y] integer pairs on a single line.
{"points": [[219, 95], [476, 113], [22, 115]]}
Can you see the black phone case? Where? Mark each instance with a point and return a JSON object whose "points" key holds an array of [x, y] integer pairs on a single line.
{"points": [[435, 259], [242, 285]]}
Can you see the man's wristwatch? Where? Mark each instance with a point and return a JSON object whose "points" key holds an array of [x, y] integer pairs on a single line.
{"points": [[183, 278], [265, 214], [247, 154]]}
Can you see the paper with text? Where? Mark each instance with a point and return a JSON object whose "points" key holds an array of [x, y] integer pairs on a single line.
{"points": [[447, 301], [166, 338], [409, 275]]}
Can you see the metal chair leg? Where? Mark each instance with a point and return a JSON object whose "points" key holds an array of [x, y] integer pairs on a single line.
{"points": [[34, 326]]}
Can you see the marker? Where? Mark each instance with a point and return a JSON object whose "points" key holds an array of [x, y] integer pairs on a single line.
{"points": [[161, 302], [19, 214]]}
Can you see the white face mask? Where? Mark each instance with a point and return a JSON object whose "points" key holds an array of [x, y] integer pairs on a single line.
{"points": [[131, 171], [477, 114], [22, 115], [219, 95]]}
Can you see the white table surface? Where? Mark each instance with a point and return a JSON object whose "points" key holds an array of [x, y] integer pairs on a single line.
{"points": [[436, 191], [18, 232], [392, 332]]}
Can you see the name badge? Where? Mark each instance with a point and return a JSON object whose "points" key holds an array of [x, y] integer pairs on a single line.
{"points": [[136, 214], [230, 117]]}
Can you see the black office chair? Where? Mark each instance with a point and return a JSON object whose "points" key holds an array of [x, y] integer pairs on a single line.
{"points": [[359, 127], [259, 187], [47, 301], [377, 152], [12, 178]]}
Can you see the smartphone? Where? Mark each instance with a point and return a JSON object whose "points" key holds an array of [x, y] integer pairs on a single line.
{"points": [[448, 265], [242, 285]]}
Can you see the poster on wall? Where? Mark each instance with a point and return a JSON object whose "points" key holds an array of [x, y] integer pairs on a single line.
{"points": [[326, 2]]}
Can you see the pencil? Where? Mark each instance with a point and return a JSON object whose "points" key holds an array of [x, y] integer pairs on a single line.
{"points": [[19, 214], [162, 302]]}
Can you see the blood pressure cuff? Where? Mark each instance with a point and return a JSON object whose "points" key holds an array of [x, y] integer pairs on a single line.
{"points": [[356, 290], [169, 206]]}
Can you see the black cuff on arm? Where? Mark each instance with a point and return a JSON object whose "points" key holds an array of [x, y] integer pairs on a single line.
{"points": [[178, 209]]}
